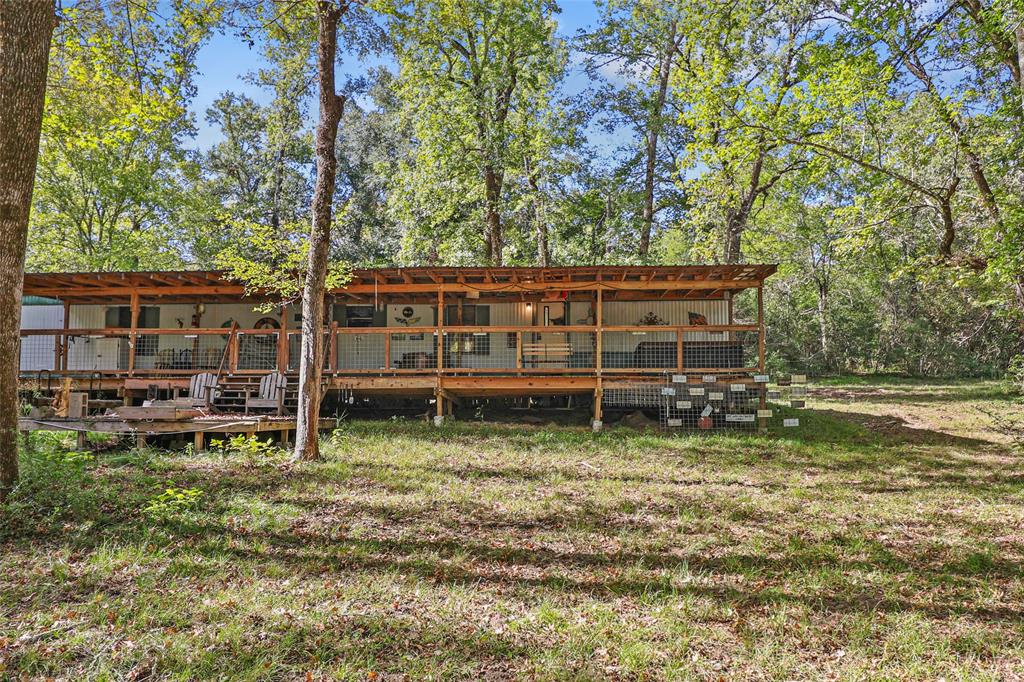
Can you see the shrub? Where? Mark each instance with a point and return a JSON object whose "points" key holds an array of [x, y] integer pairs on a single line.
{"points": [[172, 503]]}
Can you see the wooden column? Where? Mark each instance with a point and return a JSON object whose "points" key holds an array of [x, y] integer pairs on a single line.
{"points": [[387, 349], [440, 333], [519, 349], [133, 336], [332, 340], [598, 332], [732, 316], [62, 343], [762, 422], [679, 350], [760, 328], [282, 342]]}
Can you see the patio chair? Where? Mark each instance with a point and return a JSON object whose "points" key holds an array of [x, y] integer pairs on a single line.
{"points": [[202, 389], [271, 394]]}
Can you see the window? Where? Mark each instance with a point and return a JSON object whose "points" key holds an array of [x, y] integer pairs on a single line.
{"points": [[120, 317], [360, 316], [468, 343], [472, 315]]}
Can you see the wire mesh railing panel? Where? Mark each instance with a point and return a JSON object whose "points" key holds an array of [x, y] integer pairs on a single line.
{"points": [[720, 350], [360, 351], [256, 350], [634, 396], [414, 350], [479, 350], [295, 351], [97, 353], [639, 349], [558, 350], [39, 352], [709, 404], [179, 351]]}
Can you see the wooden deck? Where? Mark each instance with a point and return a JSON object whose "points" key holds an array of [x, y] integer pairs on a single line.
{"points": [[197, 426]]}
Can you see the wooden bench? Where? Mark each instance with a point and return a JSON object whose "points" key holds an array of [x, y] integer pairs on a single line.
{"points": [[547, 352]]}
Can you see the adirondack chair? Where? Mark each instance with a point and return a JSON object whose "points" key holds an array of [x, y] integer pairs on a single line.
{"points": [[272, 390], [202, 388]]}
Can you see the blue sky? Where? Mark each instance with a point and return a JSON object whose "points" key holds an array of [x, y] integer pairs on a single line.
{"points": [[225, 60]]}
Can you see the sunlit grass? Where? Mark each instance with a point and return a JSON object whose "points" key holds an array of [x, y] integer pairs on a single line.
{"points": [[854, 547]]}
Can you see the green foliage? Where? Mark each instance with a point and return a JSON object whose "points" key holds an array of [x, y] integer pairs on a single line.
{"points": [[475, 84], [250, 448], [113, 185], [172, 503], [272, 260]]}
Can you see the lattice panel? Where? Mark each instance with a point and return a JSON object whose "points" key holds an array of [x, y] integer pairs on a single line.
{"points": [[179, 351]]}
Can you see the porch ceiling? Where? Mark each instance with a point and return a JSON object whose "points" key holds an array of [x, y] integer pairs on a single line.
{"points": [[619, 282]]}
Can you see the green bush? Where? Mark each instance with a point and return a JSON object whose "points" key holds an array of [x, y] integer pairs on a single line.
{"points": [[173, 503]]}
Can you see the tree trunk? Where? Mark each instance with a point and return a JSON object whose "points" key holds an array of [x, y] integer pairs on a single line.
{"points": [[736, 220], [25, 31], [539, 218], [492, 186], [1018, 35], [307, 444], [664, 71]]}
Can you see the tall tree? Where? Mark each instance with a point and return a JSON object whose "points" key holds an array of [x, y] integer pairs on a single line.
{"points": [[25, 31], [114, 182], [740, 79], [640, 42], [332, 106], [468, 70]]}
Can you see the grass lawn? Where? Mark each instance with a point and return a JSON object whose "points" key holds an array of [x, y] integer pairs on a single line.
{"points": [[883, 539]]}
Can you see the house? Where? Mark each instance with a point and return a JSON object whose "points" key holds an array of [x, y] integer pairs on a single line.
{"points": [[440, 334]]}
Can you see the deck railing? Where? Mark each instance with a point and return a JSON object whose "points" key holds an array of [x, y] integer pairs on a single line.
{"points": [[448, 350]]}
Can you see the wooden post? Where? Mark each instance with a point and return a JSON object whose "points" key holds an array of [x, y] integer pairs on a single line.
{"points": [[133, 336], [732, 317], [440, 334], [65, 347], [333, 348], [282, 342], [387, 349], [598, 412], [140, 440], [679, 350], [233, 343], [200, 441], [598, 332], [760, 329], [762, 423], [519, 349]]}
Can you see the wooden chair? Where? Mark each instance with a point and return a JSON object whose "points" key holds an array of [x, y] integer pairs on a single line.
{"points": [[547, 353], [202, 389], [271, 395]]}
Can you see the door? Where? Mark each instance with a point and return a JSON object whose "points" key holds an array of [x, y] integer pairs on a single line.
{"points": [[552, 348]]}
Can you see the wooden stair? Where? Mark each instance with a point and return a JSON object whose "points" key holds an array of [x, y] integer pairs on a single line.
{"points": [[231, 390]]}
